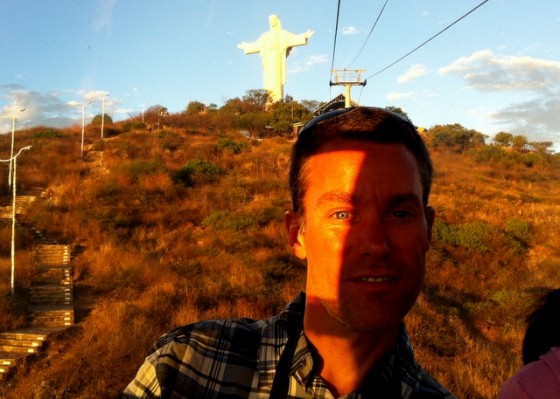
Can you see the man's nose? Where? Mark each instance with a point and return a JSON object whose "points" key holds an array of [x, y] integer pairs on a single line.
{"points": [[375, 239]]}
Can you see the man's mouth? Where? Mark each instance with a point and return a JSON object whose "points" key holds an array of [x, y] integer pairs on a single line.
{"points": [[377, 279]]}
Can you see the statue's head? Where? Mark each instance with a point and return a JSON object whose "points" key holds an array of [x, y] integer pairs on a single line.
{"points": [[274, 22]]}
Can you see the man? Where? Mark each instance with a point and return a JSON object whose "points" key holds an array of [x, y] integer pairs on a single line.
{"points": [[360, 179]]}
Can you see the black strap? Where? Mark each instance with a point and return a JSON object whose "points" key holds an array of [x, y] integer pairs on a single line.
{"points": [[281, 382]]}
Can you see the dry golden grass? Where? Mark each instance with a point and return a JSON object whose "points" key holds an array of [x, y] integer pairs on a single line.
{"points": [[153, 253]]}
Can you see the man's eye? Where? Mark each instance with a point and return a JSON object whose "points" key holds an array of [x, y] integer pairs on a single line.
{"points": [[342, 215], [401, 214]]}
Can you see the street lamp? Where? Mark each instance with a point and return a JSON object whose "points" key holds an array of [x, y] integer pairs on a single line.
{"points": [[13, 247], [12, 148], [83, 125], [143, 108], [103, 112]]}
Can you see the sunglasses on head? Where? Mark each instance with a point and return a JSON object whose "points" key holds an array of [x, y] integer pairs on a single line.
{"points": [[337, 112]]}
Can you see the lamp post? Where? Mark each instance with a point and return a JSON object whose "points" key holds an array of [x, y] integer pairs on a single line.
{"points": [[14, 193], [83, 126], [143, 109], [103, 112], [12, 148]]}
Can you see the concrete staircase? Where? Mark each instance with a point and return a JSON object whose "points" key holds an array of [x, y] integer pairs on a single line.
{"points": [[16, 345], [51, 289], [50, 304]]}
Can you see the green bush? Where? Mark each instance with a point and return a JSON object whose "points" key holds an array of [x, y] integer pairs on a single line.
{"points": [[488, 153], [225, 220], [49, 134], [137, 168], [235, 147], [133, 125], [474, 236], [518, 230], [197, 171]]}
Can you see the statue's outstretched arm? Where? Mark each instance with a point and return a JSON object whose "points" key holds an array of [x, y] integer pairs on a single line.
{"points": [[250, 48], [292, 40]]}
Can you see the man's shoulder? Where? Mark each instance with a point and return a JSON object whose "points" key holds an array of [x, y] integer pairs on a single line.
{"points": [[235, 332], [214, 333], [419, 384]]}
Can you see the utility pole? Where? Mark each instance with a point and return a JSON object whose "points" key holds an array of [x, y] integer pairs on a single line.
{"points": [[13, 160], [83, 128], [348, 78], [103, 112], [12, 148]]}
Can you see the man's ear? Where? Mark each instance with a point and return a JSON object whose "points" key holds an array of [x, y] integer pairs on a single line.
{"points": [[292, 221], [430, 217]]}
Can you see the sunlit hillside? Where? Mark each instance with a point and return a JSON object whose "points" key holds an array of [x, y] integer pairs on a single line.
{"points": [[173, 225]]}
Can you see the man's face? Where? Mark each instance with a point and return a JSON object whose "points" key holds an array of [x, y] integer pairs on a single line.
{"points": [[365, 234]]}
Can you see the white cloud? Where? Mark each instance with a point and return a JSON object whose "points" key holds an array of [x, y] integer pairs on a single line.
{"points": [[307, 63], [394, 96], [537, 80], [47, 108], [350, 30], [538, 118], [483, 70], [414, 72]]}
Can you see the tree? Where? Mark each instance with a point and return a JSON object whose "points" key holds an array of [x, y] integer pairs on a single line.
{"points": [[97, 120], [310, 105], [285, 114], [455, 137], [256, 99], [254, 122], [397, 110], [154, 113], [504, 139], [519, 143], [195, 108], [542, 147]]}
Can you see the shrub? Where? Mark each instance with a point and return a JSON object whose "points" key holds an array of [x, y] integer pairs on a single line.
{"points": [[474, 236], [488, 153], [220, 220], [197, 171], [138, 168], [519, 233], [133, 125], [49, 133], [170, 140], [235, 147]]}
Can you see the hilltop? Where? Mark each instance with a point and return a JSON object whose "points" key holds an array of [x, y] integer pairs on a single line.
{"points": [[176, 224]]}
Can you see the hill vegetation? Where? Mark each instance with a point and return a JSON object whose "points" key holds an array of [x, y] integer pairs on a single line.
{"points": [[180, 218]]}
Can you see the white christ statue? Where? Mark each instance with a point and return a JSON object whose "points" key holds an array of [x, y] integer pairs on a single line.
{"points": [[275, 46]]}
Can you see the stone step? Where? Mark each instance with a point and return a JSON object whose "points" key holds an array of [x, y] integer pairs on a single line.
{"points": [[52, 302], [25, 335], [52, 252], [61, 295], [41, 289], [50, 310], [6, 371], [50, 296], [17, 349], [19, 342], [50, 318], [50, 323], [9, 359]]}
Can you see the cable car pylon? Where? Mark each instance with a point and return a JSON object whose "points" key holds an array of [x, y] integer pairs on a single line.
{"points": [[348, 78]]}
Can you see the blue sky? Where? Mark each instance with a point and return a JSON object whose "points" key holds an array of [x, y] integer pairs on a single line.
{"points": [[496, 70]]}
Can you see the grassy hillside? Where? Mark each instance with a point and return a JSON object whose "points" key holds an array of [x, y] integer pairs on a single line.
{"points": [[170, 227]]}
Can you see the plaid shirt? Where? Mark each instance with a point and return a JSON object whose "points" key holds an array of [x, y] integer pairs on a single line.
{"points": [[240, 358]]}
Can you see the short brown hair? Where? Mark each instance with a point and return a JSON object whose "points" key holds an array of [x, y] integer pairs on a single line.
{"points": [[368, 124]]}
